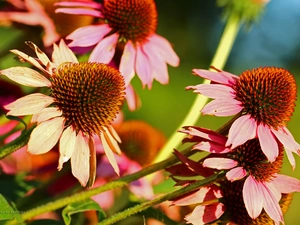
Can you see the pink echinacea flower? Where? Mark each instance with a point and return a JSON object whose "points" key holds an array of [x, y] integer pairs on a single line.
{"points": [[84, 99], [264, 97]]}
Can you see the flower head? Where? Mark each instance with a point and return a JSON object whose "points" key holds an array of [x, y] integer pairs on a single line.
{"points": [[84, 99], [127, 27], [265, 98]]}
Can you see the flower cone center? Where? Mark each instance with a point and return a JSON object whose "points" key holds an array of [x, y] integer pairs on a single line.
{"points": [[268, 94], [134, 20], [254, 161], [88, 94]]}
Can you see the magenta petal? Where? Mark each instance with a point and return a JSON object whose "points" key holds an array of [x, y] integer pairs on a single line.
{"points": [[221, 107], [211, 147], [78, 11], [88, 35], [128, 62], [286, 184], [220, 77], [220, 163], [105, 50], [252, 197], [267, 142], [236, 174], [143, 67], [242, 130], [205, 214], [206, 134]]}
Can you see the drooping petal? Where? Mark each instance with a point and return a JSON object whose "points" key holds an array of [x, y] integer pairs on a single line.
{"points": [[204, 214], [88, 35], [243, 129], [143, 67], [267, 142], [46, 114], [291, 158], [206, 134], [133, 100], [208, 193], [213, 91], [66, 146], [220, 163], [62, 54], [44, 137], [287, 139], [219, 107], [26, 76], [41, 55], [286, 184], [252, 196], [115, 136], [127, 62], [29, 104], [80, 11], [164, 49], [220, 77], [211, 147], [80, 163], [236, 174], [105, 49]]}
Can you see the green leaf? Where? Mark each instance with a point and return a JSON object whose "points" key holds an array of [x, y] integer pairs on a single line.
{"points": [[46, 222], [7, 212], [78, 207]]}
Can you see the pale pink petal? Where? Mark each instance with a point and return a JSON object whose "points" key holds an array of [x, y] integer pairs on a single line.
{"points": [[62, 54], [291, 158], [271, 205], [211, 147], [219, 107], [26, 76], [67, 145], [252, 196], [46, 114], [80, 160], [267, 142], [286, 184], [218, 77], [133, 100], [109, 153], [78, 11], [207, 134], [44, 137], [93, 5], [88, 35], [105, 49], [205, 214], [220, 163], [243, 129], [287, 139], [164, 49], [218, 91], [127, 62], [143, 67], [29, 104], [208, 193], [236, 174]]}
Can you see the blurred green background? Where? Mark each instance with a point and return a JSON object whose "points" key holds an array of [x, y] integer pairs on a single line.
{"points": [[194, 28]]}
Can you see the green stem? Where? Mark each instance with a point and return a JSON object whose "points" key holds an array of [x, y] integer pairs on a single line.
{"points": [[16, 144], [229, 35], [143, 206], [121, 182]]}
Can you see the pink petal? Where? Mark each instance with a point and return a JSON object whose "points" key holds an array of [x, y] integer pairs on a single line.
{"points": [[143, 67], [236, 174], [80, 160], [267, 142], [252, 196], [242, 130], [218, 91], [127, 62], [287, 139], [208, 193], [78, 11], [206, 134], [88, 35], [44, 137], [206, 214], [29, 104], [221, 107], [211, 147], [67, 145], [220, 163], [133, 100], [62, 54], [26, 76], [164, 49], [46, 114], [219, 77], [93, 5], [291, 158], [105, 49], [286, 184]]}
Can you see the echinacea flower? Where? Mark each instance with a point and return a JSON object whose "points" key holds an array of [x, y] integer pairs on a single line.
{"points": [[129, 27], [265, 98], [84, 99], [262, 184]]}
